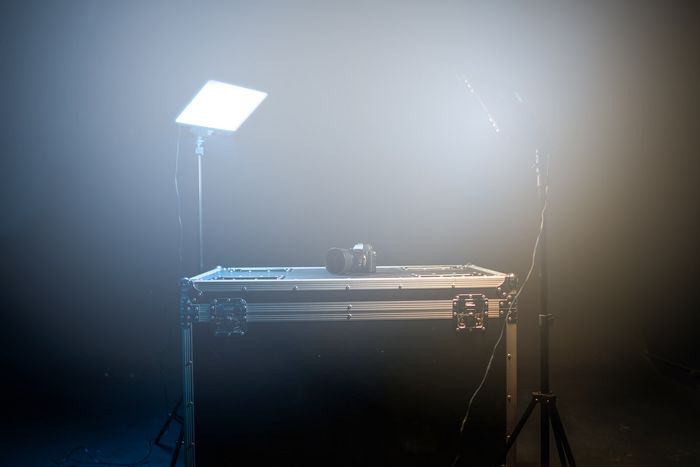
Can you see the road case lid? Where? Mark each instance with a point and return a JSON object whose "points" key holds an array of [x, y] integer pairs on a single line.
{"points": [[234, 279]]}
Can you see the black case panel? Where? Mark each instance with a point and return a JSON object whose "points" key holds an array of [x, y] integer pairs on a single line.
{"points": [[348, 394]]}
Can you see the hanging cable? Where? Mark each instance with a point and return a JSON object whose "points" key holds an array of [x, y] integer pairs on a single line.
{"points": [[177, 192], [503, 327]]}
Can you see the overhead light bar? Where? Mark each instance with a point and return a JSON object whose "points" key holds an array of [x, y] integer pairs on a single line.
{"points": [[221, 106]]}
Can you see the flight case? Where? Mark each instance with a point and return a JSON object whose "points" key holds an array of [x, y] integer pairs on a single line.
{"points": [[297, 365]]}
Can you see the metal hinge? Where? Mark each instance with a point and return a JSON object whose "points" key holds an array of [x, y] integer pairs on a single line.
{"points": [[187, 314], [508, 308]]}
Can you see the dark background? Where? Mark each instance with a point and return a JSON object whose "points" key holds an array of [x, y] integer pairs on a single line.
{"points": [[368, 133]]}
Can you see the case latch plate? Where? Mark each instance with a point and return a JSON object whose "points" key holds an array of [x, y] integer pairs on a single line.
{"points": [[229, 316], [470, 312]]}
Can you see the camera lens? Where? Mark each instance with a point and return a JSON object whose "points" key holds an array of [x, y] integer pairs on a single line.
{"points": [[339, 261]]}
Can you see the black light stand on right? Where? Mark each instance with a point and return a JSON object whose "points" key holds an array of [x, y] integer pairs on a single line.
{"points": [[549, 414]]}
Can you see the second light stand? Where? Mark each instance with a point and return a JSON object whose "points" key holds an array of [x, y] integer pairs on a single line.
{"points": [[547, 400]]}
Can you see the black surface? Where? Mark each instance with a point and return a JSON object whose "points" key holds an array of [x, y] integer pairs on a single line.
{"points": [[611, 413], [347, 394]]}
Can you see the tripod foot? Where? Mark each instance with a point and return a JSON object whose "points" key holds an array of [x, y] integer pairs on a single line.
{"points": [[549, 405]]}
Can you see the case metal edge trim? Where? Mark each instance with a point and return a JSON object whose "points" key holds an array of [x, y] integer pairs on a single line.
{"points": [[511, 384], [339, 311]]}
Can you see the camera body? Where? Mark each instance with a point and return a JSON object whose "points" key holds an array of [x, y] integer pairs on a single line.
{"points": [[360, 259]]}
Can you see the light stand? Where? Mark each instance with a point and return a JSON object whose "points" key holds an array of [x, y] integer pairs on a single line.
{"points": [[173, 414], [221, 107], [549, 414]]}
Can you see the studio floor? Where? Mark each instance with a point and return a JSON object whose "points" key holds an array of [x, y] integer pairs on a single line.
{"points": [[627, 414]]}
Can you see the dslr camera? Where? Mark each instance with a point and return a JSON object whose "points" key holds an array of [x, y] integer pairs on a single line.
{"points": [[359, 259]]}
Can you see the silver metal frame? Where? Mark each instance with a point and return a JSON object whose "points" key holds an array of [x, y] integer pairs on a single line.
{"points": [[206, 282], [277, 280], [511, 383], [346, 311], [188, 393]]}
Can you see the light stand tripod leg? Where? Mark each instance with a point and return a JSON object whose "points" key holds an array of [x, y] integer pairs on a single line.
{"points": [[176, 452], [560, 437], [171, 416], [548, 403], [552, 408]]}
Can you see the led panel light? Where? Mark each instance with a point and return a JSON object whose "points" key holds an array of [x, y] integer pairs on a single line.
{"points": [[221, 106]]}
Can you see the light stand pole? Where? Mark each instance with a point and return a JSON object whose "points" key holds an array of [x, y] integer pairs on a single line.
{"points": [[549, 414], [199, 151]]}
